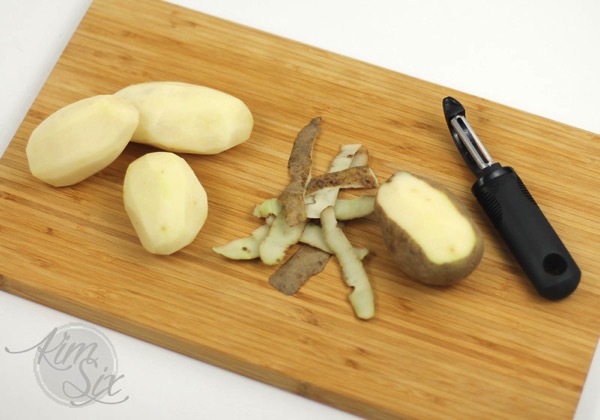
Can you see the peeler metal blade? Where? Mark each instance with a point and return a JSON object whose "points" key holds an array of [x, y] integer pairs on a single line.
{"points": [[470, 147]]}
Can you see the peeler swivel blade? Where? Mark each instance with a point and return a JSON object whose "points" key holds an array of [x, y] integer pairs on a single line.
{"points": [[470, 147]]}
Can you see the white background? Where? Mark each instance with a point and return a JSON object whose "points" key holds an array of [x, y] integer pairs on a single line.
{"points": [[540, 56]]}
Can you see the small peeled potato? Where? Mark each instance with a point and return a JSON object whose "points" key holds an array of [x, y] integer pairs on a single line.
{"points": [[186, 118], [80, 139], [427, 230], [165, 202]]}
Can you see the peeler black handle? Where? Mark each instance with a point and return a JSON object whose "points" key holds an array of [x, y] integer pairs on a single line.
{"points": [[527, 232]]}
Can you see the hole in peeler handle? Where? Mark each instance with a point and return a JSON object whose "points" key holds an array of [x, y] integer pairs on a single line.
{"points": [[554, 264]]}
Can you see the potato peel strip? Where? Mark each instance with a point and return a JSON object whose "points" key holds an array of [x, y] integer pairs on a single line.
{"points": [[324, 198], [354, 177], [280, 238], [299, 167], [305, 263], [355, 275], [313, 236], [244, 248]]}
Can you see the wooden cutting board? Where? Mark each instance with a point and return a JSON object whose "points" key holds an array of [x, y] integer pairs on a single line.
{"points": [[486, 348]]}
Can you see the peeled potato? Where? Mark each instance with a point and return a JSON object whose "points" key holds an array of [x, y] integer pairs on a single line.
{"points": [[181, 117], [427, 230], [80, 139], [165, 202]]}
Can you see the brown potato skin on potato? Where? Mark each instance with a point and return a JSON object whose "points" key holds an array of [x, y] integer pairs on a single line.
{"points": [[411, 258]]}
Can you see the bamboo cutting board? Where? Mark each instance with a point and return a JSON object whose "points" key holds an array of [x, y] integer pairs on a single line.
{"points": [[486, 348]]}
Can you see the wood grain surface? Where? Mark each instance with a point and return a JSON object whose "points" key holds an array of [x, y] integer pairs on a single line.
{"points": [[488, 347]]}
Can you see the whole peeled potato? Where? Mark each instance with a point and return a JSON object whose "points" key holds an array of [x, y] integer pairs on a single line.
{"points": [[187, 118], [165, 201], [81, 139], [427, 230]]}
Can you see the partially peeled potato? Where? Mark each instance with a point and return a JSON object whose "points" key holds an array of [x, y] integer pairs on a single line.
{"points": [[427, 230]]}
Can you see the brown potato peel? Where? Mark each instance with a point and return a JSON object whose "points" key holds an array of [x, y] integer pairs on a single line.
{"points": [[354, 177], [299, 167], [306, 262]]}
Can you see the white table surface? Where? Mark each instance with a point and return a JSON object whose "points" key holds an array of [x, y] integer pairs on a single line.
{"points": [[540, 56]]}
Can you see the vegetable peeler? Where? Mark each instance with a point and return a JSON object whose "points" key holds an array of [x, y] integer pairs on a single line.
{"points": [[514, 212]]}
